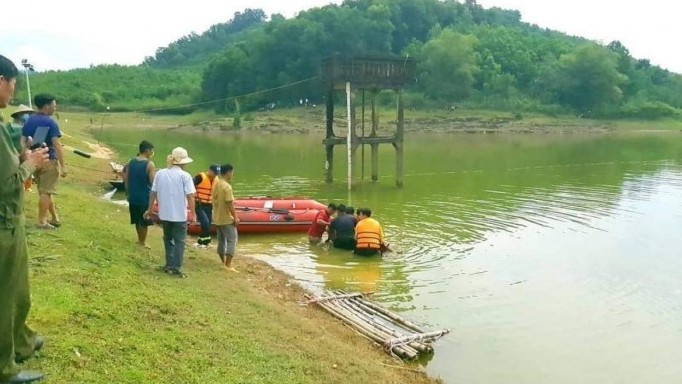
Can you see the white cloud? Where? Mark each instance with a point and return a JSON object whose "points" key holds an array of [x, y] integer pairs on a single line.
{"points": [[72, 33]]}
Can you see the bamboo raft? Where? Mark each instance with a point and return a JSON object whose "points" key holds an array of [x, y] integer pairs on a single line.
{"points": [[397, 335]]}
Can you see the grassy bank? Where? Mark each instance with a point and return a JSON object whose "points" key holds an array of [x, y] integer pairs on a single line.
{"points": [[109, 316]]}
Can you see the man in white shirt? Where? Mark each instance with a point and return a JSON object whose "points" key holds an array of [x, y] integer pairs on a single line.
{"points": [[174, 190]]}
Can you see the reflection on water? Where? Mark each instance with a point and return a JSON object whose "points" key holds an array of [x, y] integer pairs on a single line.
{"points": [[553, 258]]}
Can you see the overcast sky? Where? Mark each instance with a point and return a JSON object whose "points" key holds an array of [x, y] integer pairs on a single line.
{"points": [[73, 33]]}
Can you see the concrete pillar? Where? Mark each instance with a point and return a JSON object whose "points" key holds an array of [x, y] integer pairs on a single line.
{"points": [[375, 163], [375, 115], [329, 164], [399, 137]]}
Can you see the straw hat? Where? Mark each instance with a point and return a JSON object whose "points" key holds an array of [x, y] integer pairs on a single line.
{"points": [[179, 156], [22, 109]]}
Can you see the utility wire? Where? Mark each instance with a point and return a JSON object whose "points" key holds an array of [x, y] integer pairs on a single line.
{"points": [[229, 98]]}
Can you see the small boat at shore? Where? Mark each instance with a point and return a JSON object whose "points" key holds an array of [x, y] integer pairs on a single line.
{"points": [[117, 181], [269, 215]]}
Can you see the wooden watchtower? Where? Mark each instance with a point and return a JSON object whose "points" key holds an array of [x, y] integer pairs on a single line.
{"points": [[372, 74]]}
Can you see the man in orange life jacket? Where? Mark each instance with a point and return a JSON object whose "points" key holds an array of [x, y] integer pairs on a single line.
{"points": [[204, 206], [369, 235]]}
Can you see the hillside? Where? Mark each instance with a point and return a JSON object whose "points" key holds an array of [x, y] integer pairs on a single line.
{"points": [[467, 56]]}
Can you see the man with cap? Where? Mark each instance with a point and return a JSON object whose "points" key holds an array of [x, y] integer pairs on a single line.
{"points": [[203, 182], [17, 341], [174, 191]]}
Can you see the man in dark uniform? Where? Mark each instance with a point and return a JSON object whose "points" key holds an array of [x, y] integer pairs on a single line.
{"points": [[17, 341], [203, 182]]}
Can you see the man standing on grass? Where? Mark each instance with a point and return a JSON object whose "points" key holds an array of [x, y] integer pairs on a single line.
{"points": [[225, 216], [203, 182], [48, 176], [174, 191], [17, 341], [138, 176]]}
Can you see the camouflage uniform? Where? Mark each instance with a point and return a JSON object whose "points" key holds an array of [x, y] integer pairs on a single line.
{"points": [[16, 339]]}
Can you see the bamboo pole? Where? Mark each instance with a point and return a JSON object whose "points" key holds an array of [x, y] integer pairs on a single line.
{"points": [[398, 330], [334, 297], [391, 332], [386, 312], [348, 319], [380, 337], [384, 328], [416, 337], [393, 316]]}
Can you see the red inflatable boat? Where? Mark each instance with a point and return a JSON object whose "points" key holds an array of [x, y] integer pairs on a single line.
{"points": [[270, 215]]}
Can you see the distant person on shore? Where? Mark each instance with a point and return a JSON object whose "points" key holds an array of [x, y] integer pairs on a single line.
{"points": [[47, 177], [174, 191], [342, 230], [138, 176], [203, 182], [17, 341], [319, 225], [369, 235], [225, 216], [15, 127]]}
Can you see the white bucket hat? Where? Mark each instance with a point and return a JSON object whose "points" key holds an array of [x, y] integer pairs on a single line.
{"points": [[179, 156]]}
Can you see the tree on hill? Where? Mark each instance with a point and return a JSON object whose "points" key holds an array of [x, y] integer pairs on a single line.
{"points": [[589, 79], [194, 49], [447, 66]]}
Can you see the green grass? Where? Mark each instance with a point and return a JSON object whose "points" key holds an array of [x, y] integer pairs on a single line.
{"points": [[109, 316]]}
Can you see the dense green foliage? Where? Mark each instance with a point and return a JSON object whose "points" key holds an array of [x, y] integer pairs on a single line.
{"points": [[195, 50], [122, 88], [466, 55]]}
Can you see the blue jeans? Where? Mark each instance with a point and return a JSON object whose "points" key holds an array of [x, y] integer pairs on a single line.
{"points": [[174, 234], [204, 214]]}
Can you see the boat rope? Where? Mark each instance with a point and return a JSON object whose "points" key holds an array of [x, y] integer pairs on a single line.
{"points": [[277, 211]]}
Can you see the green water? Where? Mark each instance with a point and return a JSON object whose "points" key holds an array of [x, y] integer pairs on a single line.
{"points": [[552, 258]]}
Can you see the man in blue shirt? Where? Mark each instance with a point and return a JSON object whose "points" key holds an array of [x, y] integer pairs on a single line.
{"points": [[48, 176], [138, 176], [342, 230]]}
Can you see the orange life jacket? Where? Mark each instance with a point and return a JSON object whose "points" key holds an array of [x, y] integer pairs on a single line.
{"points": [[204, 189], [368, 234]]}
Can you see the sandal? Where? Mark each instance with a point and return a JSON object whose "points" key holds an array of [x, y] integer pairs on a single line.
{"points": [[46, 226], [55, 223], [176, 273]]}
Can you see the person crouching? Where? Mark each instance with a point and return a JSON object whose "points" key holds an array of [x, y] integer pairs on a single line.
{"points": [[369, 235]]}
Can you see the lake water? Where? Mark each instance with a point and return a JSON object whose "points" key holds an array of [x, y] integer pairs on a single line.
{"points": [[552, 258]]}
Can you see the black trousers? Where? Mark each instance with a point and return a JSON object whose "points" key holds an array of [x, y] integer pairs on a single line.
{"points": [[205, 216]]}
